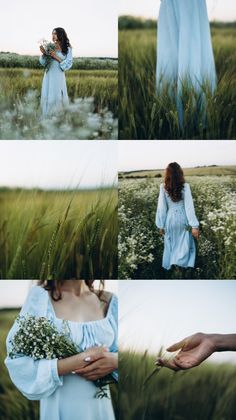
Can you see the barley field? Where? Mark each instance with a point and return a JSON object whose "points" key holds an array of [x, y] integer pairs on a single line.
{"points": [[203, 393], [140, 247], [92, 89], [58, 234], [13, 405], [144, 115]]}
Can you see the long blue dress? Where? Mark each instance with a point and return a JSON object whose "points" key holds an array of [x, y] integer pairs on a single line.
{"points": [[184, 44], [68, 397], [54, 91], [177, 218]]}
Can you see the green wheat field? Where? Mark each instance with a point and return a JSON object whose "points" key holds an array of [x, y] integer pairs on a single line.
{"points": [[58, 234], [13, 405], [144, 115], [92, 88], [203, 393]]}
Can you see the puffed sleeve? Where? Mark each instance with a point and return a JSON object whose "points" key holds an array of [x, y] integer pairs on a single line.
{"points": [[161, 209], [113, 318], [35, 379], [42, 60], [189, 207], [68, 62]]}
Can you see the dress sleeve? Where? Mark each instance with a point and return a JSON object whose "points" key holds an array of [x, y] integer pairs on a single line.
{"points": [[161, 209], [189, 207], [35, 379], [68, 62], [113, 317], [42, 60]]}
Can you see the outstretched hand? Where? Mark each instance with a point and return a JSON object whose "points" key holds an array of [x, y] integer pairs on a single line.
{"points": [[193, 350]]}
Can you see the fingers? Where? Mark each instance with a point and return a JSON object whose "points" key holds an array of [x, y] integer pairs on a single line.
{"points": [[177, 346], [167, 363], [88, 369]]}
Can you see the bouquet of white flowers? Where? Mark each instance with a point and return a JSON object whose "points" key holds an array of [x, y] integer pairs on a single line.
{"points": [[39, 338], [48, 47]]}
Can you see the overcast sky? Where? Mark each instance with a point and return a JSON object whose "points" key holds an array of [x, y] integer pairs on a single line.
{"points": [[91, 25], [13, 292], [57, 164], [217, 9], [151, 154], [158, 312]]}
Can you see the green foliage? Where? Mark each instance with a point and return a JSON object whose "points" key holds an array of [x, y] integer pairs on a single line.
{"points": [[63, 234], [141, 247], [145, 115], [203, 393]]}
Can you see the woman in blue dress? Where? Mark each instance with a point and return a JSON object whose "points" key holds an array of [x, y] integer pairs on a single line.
{"points": [[176, 219], [65, 387], [54, 91], [184, 49]]}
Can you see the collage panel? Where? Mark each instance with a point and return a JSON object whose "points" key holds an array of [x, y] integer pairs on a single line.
{"points": [[58, 210], [176, 72], [177, 210], [59, 357], [177, 347], [59, 70]]}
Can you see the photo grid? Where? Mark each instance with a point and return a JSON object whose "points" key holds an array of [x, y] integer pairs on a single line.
{"points": [[118, 210]]}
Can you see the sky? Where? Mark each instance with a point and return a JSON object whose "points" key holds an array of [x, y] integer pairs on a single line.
{"points": [[155, 313], [13, 292], [57, 164], [217, 9], [91, 25], [158, 154]]}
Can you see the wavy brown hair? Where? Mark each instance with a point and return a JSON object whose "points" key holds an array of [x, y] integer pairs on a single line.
{"points": [[63, 39], [174, 181], [55, 286]]}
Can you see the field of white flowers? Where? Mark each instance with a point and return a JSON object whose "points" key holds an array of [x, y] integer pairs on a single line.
{"points": [[141, 247]]}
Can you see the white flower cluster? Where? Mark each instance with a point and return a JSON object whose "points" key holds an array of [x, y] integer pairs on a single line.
{"points": [[77, 121], [39, 338]]}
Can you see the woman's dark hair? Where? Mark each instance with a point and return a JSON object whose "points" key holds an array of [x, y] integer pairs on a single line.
{"points": [[54, 287], [174, 181], [63, 39]]}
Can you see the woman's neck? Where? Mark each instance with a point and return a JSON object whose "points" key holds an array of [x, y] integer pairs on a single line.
{"points": [[77, 287]]}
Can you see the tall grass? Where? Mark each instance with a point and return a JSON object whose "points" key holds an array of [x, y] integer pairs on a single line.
{"points": [[145, 115], [203, 393], [67, 234]]}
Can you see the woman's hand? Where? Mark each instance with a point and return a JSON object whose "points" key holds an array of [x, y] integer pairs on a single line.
{"points": [[78, 361], [54, 56], [195, 233], [193, 350], [42, 50], [162, 232], [101, 364]]}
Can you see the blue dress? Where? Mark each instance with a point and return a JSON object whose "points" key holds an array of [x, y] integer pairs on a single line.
{"points": [[54, 91], [177, 218], [68, 397], [184, 50]]}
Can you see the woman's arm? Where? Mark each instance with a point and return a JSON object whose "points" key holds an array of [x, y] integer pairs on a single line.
{"points": [[195, 349], [79, 361], [190, 212], [161, 210]]}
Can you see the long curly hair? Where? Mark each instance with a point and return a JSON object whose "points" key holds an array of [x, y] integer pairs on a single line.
{"points": [[174, 181], [63, 39], [55, 287]]}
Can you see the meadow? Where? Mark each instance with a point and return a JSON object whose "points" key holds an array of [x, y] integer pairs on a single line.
{"points": [[92, 88], [58, 234], [144, 115], [13, 405], [203, 393], [140, 247]]}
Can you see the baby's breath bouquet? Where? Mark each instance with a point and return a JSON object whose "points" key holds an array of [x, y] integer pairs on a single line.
{"points": [[39, 338], [49, 47]]}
